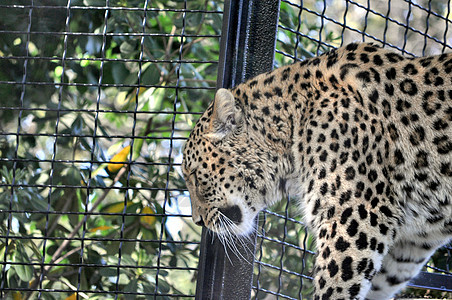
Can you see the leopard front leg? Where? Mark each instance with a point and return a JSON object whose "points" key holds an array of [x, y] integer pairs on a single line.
{"points": [[403, 262], [348, 202], [349, 255], [354, 222]]}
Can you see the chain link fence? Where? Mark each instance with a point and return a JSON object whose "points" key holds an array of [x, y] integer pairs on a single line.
{"points": [[285, 250], [97, 98]]}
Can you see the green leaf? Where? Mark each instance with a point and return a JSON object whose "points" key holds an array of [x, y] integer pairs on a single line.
{"points": [[149, 289], [93, 2], [150, 74], [12, 278], [132, 286], [25, 272], [194, 20], [35, 249], [77, 126], [127, 48], [108, 272], [127, 260], [119, 72]]}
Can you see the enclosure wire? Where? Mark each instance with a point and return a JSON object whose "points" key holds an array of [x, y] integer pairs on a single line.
{"points": [[438, 269], [399, 23], [427, 25], [95, 266], [111, 8], [86, 136], [267, 291], [286, 244], [93, 59], [76, 161], [297, 36], [107, 239], [54, 161], [322, 25], [156, 112], [264, 216], [407, 26], [94, 140], [366, 17], [100, 292], [333, 21], [411, 2], [95, 187], [387, 20], [44, 268], [345, 23], [385, 30], [283, 248], [170, 151], [16, 156], [446, 29], [50, 185], [107, 34], [284, 270], [118, 85], [320, 42], [129, 169]]}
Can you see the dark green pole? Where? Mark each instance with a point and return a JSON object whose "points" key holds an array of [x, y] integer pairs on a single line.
{"points": [[248, 43]]}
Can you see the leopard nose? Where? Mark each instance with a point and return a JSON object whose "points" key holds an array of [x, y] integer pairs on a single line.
{"points": [[233, 213], [199, 221]]}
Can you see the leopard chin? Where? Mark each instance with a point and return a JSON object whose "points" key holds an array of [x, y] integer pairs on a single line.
{"points": [[231, 221]]}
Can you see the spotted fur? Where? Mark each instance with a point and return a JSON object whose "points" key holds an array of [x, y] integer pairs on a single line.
{"points": [[363, 137]]}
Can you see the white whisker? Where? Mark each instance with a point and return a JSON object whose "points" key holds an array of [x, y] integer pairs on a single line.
{"points": [[225, 228]]}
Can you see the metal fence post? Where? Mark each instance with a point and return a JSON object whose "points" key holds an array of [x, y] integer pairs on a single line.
{"points": [[248, 43]]}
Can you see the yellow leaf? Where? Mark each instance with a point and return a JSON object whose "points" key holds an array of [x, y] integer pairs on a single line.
{"points": [[31, 282], [142, 90], [17, 295], [104, 227], [121, 156], [118, 207], [124, 99], [72, 297], [148, 221], [132, 96]]}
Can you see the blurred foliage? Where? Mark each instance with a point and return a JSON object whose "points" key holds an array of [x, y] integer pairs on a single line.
{"points": [[91, 108]]}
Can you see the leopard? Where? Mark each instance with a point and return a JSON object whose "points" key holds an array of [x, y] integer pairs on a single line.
{"points": [[361, 136]]}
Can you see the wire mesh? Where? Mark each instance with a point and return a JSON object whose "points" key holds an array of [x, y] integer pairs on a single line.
{"points": [[97, 97], [311, 27]]}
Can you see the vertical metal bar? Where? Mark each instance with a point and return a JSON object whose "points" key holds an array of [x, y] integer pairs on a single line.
{"points": [[248, 40], [248, 45]]}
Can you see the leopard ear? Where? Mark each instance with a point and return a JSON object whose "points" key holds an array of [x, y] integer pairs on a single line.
{"points": [[225, 115]]}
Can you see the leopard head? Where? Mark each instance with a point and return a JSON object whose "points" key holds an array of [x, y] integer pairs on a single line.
{"points": [[227, 169]]}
